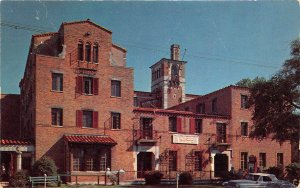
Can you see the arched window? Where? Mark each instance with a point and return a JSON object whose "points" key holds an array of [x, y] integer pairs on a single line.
{"points": [[88, 52], [174, 70], [95, 53], [80, 51]]}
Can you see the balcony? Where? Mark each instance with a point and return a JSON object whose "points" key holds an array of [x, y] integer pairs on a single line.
{"points": [[84, 67], [222, 140], [146, 136]]}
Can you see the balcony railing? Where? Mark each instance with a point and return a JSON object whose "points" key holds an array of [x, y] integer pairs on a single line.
{"points": [[223, 140], [146, 136], [87, 65]]}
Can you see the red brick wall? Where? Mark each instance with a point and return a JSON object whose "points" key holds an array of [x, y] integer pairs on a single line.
{"points": [[49, 138], [10, 116], [229, 103]]}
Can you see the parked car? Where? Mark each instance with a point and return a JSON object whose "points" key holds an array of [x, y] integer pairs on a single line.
{"points": [[253, 180]]}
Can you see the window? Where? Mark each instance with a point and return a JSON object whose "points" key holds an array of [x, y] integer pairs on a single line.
{"points": [[244, 160], [214, 105], [262, 159], [91, 159], [174, 70], [221, 133], [244, 102], [198, 161], [187, 109], [57, 82], [198, 127], [146, 128], [95, 53], [88, 52], [244, 128], [105, 159], [87, 118], [115, 120], [200, 108], [57, 116], [280, 159], [87, 85], [172, 160], [80, 51], [266, 178], [172, 124], [115, 88], [78, 159], [135, 102]]}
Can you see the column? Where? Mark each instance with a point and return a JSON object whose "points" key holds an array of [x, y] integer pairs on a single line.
{"points": [[19, 160]]}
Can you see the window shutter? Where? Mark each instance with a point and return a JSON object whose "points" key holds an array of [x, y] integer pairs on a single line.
{"points": [[79, 84], [178, 124], [192, 125], [95, 86], [95, 119], [79, 118]]}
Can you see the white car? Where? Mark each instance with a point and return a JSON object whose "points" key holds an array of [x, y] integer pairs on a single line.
{"points": [[253, 180]]}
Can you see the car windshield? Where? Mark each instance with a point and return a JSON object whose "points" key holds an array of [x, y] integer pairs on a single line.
{"points": [[252, 177]]}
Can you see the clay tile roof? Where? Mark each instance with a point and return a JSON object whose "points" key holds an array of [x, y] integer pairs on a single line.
{"points": [[11, 141], [90, 139]]}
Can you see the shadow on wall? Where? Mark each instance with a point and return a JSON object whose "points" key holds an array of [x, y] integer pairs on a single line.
{"points": [[10, 116], [57, 153]]}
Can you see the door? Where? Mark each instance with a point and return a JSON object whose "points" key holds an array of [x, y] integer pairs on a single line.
{"points": [[220, 164], [144, 163]]}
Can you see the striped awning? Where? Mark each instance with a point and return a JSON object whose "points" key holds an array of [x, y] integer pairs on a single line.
{"points": [[11, 141], [90, 139]]}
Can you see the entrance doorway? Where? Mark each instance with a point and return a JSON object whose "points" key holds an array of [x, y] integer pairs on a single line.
{"points": [[7, 165], [144, 163], [220, 164]]}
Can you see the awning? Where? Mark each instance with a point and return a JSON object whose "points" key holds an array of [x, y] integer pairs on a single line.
{"points": [[9, 141], [11, 144], [90, 139]]}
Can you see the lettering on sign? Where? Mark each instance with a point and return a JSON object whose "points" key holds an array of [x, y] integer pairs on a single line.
{"points": [[185, 139]]}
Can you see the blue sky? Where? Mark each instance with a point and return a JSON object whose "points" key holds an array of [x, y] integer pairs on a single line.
{"points": [[224, 41]]}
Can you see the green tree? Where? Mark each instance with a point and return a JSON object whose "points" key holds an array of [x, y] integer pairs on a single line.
{"points": [[276, 101], [247, 82]]}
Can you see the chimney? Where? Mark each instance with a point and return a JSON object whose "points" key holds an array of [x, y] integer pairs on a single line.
{"points": [[175, 52]]}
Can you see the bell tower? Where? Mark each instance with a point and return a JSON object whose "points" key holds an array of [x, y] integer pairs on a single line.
{"points": [[168, 80]]}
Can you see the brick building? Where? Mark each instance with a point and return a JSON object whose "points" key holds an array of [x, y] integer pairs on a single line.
{"points": [[78, 106]]}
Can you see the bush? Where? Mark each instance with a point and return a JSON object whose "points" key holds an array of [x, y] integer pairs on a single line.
{"points": [[293, 171], [19, 179], [43, 166], [153, 178], [226, 175], [277, 171], [185, 178]]}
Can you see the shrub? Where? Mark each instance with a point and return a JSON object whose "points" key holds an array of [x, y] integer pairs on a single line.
{"points": [[153, 178], [293, 171], [19, 179], [277, 171], [185, 178], [226, 175], [43, 166]]}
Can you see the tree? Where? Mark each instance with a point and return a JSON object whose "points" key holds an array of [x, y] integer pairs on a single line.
{"points": [[247, 82], [276, 101]]}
